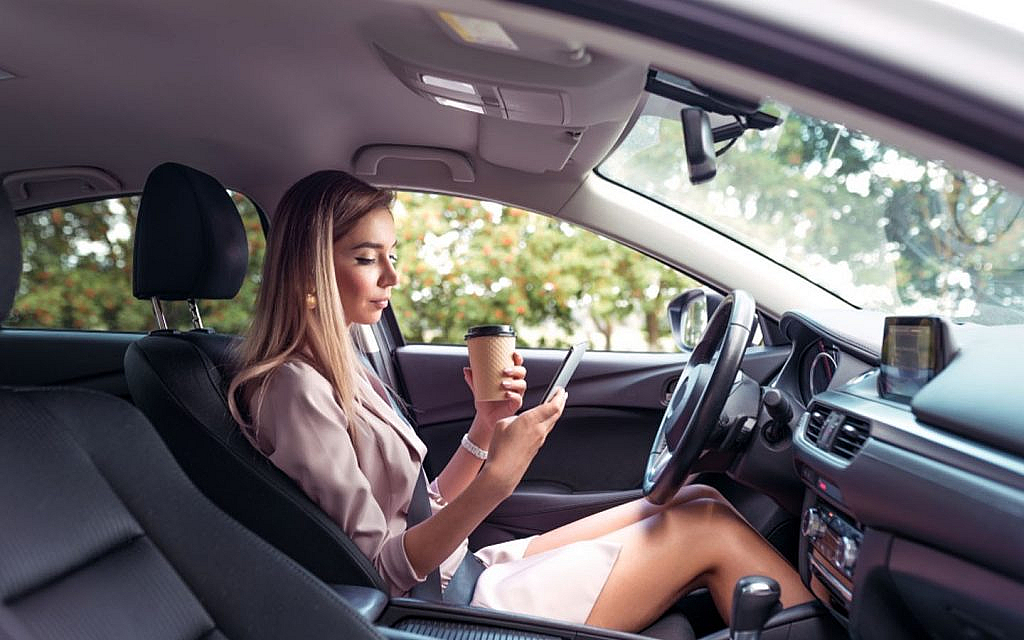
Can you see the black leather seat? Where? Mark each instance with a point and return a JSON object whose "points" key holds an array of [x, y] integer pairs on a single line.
{"points": [[178, 379], [190, 244], [103, 536]]}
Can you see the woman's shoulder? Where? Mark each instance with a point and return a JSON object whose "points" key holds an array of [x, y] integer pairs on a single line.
{"points": [[296, 375]]}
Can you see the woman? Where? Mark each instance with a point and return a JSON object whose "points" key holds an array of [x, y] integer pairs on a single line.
{"points": [[325, 420]]}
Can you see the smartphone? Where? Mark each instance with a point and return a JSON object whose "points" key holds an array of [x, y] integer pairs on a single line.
{"points": [[572, 360]]}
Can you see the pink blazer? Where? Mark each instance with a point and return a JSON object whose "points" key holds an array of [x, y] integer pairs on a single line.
{"points": [[364, 482]]}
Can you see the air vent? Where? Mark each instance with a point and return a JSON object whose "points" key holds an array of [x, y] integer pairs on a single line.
{"points": [[850, 438], [835, 432], [815, 424]]}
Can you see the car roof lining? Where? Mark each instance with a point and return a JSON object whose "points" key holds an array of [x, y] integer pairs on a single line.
{"points": [[278, 109]]}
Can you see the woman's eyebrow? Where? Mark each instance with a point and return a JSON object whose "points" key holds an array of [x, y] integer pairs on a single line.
{"points": [[371, 245]]}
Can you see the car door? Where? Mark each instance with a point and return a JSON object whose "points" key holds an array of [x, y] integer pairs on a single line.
{"points": [[595, 456]]}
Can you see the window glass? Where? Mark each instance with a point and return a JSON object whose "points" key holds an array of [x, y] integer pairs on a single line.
{"points": [[77, 272], [880, 227], [463, 262]]}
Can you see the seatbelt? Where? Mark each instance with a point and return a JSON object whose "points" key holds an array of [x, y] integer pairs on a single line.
{"points": [[463, 582], [419, 510]]}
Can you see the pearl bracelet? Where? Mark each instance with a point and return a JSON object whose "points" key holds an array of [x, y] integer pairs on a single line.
{"points": [[473, 450]]}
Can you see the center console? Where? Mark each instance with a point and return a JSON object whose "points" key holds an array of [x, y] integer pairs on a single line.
{"points": [[831, 538], [831, 542]]}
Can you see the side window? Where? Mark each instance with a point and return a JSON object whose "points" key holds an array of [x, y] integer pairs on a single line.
{"points": [[77, 272], [463, 262]]}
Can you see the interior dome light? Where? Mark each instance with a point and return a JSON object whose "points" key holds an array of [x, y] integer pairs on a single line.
{"points": [[465, 106], [478, 31], [450, 85]]}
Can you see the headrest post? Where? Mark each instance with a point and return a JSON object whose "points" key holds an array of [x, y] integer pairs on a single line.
{"points": [[193, 308], [158, 311]]}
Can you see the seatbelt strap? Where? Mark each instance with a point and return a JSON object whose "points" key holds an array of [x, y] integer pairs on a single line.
{"points": [[460, 588], [463, 583], [419, 510]]}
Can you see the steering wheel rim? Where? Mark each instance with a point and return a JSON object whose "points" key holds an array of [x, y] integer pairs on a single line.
{"points": [[699, 397]]}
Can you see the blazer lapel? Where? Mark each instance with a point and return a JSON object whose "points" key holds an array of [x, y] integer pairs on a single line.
{"points": [[378, 402]]}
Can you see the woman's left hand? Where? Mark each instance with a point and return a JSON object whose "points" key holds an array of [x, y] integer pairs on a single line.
{"points": [[513, 383]]}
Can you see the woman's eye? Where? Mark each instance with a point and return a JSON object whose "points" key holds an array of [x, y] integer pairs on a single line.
{"points": [[393, 259], [365, 260]]}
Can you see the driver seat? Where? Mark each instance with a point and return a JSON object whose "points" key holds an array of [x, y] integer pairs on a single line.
{"points": [[190, 244], [102, 536]]}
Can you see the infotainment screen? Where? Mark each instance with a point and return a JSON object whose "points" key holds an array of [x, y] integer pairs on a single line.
{"points": [[911, 355]]}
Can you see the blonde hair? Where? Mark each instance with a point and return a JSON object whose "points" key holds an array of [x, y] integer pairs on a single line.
{"points": [[313, 214]]}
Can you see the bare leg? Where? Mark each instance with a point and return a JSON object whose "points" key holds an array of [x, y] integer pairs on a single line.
{"points": [[609, 520], [696, 539], [694, 543]]}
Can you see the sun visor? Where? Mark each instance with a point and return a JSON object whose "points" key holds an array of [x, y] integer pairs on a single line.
{"points": [[526, 147]]}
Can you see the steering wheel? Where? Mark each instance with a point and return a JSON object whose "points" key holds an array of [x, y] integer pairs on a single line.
{"points": [[699, 397]]}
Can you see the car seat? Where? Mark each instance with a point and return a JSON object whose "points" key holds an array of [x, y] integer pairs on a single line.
{"points": [[190, 245], [103, 536]]}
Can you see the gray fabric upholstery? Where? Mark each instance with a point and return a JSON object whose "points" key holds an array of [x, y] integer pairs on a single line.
{"points": [[102, 536]]}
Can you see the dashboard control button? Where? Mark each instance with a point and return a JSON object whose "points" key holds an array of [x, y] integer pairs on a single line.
{"points": [[846, 553], [813, 524]]}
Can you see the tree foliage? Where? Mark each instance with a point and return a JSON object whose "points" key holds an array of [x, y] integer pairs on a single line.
{"points": [[464, 263], [77, 272], [875, 225]]}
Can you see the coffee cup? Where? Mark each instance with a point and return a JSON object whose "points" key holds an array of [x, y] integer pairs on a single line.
{"points": [[490, 352]]}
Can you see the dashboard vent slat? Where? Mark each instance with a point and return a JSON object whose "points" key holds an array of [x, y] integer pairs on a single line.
{"points": [[816, 423], [850, 437]]}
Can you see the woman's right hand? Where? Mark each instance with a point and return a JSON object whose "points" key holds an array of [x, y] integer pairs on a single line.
{"points": [[517, 439]]}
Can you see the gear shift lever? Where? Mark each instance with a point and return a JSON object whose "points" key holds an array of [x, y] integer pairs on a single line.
{"points": [[753, 601]]}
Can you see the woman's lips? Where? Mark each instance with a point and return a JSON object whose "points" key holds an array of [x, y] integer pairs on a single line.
{"points": [[380, 304]]}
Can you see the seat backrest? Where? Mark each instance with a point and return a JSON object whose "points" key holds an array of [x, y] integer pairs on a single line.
{"points": [[179, 379], [103, 536]]}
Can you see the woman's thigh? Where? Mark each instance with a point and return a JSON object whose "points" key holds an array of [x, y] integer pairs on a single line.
{"points": [[615, 518]]}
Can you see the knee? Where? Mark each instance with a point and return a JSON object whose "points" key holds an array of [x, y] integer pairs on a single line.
{"points": [[707, 512], [699, 492], [712, 519]]}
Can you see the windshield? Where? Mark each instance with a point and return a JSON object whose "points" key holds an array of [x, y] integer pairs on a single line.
{"points": [[878, 227]]}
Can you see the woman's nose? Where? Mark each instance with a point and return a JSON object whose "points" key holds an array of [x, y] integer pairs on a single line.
{"points": [[389, 277]]}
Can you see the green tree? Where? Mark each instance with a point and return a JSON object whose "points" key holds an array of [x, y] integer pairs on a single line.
{"points": [[464, 263], [77, 266], [819, 196]]}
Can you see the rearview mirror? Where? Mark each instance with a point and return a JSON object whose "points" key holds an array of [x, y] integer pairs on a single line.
{"points": [[699, 142]]}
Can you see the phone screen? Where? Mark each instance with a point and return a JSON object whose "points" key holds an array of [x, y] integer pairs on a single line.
{"points": [[564, 374]]}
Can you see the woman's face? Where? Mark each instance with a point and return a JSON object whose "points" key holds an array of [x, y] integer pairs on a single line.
{"points": [[364, 267]]}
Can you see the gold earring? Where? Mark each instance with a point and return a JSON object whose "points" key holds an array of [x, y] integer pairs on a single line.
{"points": [[310, 301]]}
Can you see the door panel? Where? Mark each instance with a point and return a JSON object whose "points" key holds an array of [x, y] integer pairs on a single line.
{"points": [[42, 357], [432, 377], [595, 456]]}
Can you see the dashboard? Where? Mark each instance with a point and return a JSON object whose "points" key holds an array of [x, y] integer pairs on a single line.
{"points": [[913, 506]]}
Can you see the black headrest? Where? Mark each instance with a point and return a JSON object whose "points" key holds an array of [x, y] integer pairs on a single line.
{"points": [[189, 238], [10, 256]]}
